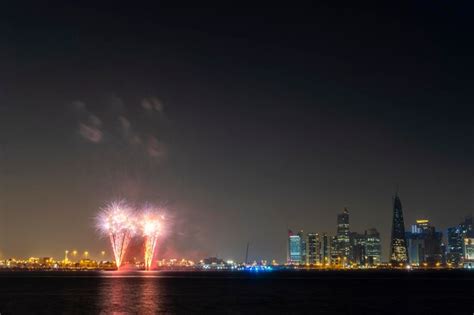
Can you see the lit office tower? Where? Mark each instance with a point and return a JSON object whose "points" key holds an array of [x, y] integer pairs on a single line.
{"points": [[455, 236], [469, 251], [421, 226], [343, 246], [467, 228], [433, 242], [424, 244], [334, 256], [358, 248], [313, 253], [373, 247], [325, 246], [455, 244], [398, 248], [294, 248], [415, 246], [302, 246], [416, 242]]}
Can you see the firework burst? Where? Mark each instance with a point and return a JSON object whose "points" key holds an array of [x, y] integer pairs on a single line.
{"points": [[151, 227], [116, 220]]}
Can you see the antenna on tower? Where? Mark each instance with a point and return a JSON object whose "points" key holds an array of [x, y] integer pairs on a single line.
{"points": [[247, 253]]}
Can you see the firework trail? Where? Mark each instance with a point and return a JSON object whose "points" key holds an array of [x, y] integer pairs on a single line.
{"points": [[116, 220], [150, 223]]}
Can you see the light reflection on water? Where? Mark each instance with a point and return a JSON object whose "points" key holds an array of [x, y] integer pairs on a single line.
{"points": [[236, 292], [120, 294]]}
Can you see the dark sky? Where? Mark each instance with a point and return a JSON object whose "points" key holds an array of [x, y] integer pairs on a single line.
{"points": [[243, 121]]}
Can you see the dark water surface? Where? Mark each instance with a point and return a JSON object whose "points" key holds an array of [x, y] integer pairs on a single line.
{"points": [[298, 292]]}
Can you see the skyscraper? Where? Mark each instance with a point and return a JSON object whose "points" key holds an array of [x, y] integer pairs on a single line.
{"points": [[358, 248], [334, 258], [313, 252], [398, 248], [424, 244], [433, 242], [467, 228], [302, 247], [416, 246], [455, 236], [343, 243], [325, 250], [294, 248], [469, 252], [373, 247]]}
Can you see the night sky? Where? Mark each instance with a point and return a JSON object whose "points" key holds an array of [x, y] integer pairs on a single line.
{"points": [[242, 121]]}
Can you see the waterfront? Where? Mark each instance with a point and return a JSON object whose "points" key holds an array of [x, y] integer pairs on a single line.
{"points": [[321, 292]]}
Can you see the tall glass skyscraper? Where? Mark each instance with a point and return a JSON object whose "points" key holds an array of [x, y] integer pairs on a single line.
{"points": [[373, 247], [424, 244], [416, 247], [302, 247], [313, 252], [325, 250], [358, 248], [455, 245], [456, 241], [343, 243], [294, 248], [398, 247]]}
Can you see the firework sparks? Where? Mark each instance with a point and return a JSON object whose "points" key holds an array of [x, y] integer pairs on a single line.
{"points": [[151, 227], [117, 222]]}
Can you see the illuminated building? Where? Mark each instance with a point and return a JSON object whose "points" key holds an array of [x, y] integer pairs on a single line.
{"points": [[294, 248], [302, 247], [334, 254], [416, 248], [455, 236], [455, 245], [424, 244], [467, 227], [469, 252], [325, 246], [211, 263], [421, 226], [467, 230], [433, 241], [398, 245], [373, 247], [313, 252], [366, 249], [343, 243], [358, 248]]}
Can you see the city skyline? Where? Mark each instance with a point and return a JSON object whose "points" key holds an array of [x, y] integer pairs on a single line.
{"points": [[332, 245], [241, 124], [231, 157], [422, 246]]}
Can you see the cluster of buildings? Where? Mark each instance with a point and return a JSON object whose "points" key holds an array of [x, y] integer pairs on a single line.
{"points": [[422, 246], [345, 249], [427, 247]]}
